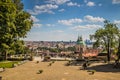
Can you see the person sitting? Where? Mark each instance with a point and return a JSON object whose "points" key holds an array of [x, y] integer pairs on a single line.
{"points": [[84, 65], [116, 64]]}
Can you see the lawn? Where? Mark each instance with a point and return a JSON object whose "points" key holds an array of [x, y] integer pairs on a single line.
{"points": [[7, 64]]}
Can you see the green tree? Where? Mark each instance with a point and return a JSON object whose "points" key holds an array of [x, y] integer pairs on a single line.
{"points": [[71, 48], [107, 37], [14, 24], [118, 51]]}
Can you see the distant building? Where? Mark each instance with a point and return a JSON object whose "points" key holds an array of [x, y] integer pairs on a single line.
{"points": [[89, 43], [80, 47]]}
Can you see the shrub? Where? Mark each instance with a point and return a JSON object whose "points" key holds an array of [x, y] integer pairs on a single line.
{"points": [[39, 71], [50, 64], [16, 59], [68, 63], [91, 72], [47, 58], [53, 61], [37, 62]]}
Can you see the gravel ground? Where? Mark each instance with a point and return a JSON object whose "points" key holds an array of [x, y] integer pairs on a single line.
{"points": [[58, 71]]}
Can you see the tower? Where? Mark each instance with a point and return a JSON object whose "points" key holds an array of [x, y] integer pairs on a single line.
{"points": [[80, 47]]}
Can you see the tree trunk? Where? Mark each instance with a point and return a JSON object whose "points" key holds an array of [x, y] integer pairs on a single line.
{"points": [[108, 51], [118, 53], [5, 56]]}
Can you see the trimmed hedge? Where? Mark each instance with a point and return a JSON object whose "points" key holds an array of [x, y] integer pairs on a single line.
{"points": [[16, 59]]}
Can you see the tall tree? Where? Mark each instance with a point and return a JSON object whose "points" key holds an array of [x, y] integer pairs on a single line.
{"points": [[106, 37], [14, 24], [7, 19]]}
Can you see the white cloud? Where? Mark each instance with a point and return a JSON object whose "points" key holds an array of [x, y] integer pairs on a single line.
{"points": [[34, 19], [117, 22], [37, 25], [61, 10], [59, 2], [70, 21], [90, 18], [53, 36], [33, 12], [47, 8], [116, 1], [58, 31], [80, 27], [73, 4], [90, 4], [50, 25]]}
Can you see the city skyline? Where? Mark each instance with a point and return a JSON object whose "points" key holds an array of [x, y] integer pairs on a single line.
{"points": [[65, 20]]}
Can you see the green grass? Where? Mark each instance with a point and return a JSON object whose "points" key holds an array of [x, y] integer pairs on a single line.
{"points": [[7, 64]]}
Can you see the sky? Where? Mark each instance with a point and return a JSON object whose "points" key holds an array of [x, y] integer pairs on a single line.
{"points": [[65, 20]]}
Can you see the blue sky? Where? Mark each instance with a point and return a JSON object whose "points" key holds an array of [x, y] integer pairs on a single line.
{"points": [[64, 20]]}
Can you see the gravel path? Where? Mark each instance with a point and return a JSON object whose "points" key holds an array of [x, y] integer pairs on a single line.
{"points": [[57, 71]]}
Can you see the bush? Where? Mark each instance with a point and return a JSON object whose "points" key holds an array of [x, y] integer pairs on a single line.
{"points": [[91, 72], [50, 64], [16, 59], [37, 62], [68, 63], [39, 71], [53, 61], [47, 58]]}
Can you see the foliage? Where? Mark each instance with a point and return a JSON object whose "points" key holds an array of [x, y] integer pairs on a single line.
{"points": [[19, 47], [37, 62], [14, 24], [16, 59], [47, 58], [71, 48], [106, 37], [109, 32], [7, 64], [118, 52], [40, 71], [91, 72], [53, 61], [50, 64]]}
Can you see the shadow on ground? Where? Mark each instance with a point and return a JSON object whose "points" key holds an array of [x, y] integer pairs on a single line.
{"points": [[99, 68], [104, 68], [80, 62], [74, 63]]}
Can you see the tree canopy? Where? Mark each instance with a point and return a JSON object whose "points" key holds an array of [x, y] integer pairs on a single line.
{"points": [[14, 24], [107, 37]]}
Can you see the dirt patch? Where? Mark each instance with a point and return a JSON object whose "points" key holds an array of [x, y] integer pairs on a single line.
{"points": [[57, 71]]}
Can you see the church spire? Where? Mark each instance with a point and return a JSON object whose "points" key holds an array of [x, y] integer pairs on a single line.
{"points": [[80, 40]]}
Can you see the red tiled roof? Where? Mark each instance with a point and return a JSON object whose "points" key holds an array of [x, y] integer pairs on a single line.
{"points": [[89, 54]]}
